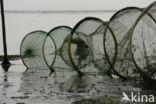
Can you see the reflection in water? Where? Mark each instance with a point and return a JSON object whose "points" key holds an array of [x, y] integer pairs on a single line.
{"points": [[74, 84], [9, 83], [37, 87], [5, 78], [6, 67]]}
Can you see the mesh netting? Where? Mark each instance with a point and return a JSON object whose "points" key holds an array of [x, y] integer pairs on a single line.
{"points": [[80, 50], [143, 43], [31, 50], [59, 36], [128, 40], [120, 23], [89, 32], [134, 31], [100, 61]]}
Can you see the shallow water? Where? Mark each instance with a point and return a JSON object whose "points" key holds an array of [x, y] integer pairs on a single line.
{"points": [[37, 87]]}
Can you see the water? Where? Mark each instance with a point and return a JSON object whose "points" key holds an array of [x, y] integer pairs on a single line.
{"points": [[18, 24], [36, 87]]}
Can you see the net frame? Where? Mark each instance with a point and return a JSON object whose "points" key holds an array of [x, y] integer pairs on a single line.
{"points": [[55, 45], [70, 39], [115, 43], [107, 57], [27, 68], [104, 38], [144, 12]]}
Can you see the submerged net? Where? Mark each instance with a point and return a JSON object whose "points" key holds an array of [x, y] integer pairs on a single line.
{"points": [[31, 50]]}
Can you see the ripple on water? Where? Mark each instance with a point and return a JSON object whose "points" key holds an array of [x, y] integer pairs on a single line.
{"points": [[36, 87]]}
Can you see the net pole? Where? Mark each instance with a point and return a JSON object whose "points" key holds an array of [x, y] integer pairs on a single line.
{"points": [[5, 59]]}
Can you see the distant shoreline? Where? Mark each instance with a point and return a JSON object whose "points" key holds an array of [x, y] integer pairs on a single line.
{"points": [[11, 57], [60, 12]]}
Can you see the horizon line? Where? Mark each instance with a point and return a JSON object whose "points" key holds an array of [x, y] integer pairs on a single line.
{"points": [[55, 11]]}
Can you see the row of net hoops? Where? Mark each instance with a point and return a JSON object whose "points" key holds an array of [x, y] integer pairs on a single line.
{"points": [[127, 48]]}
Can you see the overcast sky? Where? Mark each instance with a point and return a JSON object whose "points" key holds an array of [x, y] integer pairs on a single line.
{"points": [[28, 22], [73, 4]]}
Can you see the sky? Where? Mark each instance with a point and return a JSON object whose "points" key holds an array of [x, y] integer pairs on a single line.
{"points": [[51, 5], [26, 23]]}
